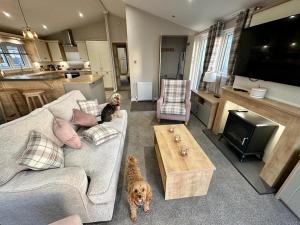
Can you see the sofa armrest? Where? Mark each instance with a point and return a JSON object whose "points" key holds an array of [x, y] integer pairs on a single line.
{"points": [[31, 180]]}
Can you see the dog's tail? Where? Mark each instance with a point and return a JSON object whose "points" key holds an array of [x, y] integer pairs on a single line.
{"points": [[131, 160]]}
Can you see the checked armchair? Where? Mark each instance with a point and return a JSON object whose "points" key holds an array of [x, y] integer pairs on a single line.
{"points": [[174, 102]]}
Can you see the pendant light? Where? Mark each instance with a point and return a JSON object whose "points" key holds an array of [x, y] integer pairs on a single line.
{"points": [[27, 32]]}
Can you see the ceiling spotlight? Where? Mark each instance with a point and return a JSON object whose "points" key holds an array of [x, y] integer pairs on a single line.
{"points": [[80, 14], [173, 16], [266, 46], [44, 26], [6, 14], [292, 17], [293, 44]]}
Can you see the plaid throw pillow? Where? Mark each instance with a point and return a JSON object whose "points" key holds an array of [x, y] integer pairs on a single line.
{"points": [[100, 133], [174, 91], [90, 107], [41, 153]]}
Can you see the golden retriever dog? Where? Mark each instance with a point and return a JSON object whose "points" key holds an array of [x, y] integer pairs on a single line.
{"points": [[139, 191]]}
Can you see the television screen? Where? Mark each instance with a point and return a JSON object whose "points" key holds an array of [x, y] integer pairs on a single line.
{"points": [[271, 52]]}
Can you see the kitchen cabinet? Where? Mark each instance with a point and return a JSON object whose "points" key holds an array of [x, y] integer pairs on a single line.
{"points": [[100, 60], [57, 53], [82, 49], [37, 51]]}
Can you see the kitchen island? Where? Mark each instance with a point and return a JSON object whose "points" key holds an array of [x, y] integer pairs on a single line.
{"points": [[52, 83]]}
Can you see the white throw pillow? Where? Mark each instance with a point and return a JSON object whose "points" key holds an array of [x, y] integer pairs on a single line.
{"points": [[100, 133], [41, 153]]}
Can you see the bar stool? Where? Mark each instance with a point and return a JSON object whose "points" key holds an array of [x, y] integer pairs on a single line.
{"points": [[30, 96], [11, 110]]}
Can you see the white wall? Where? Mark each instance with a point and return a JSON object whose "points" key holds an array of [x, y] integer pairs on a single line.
{"points": [[281, 92], [143, 33]]}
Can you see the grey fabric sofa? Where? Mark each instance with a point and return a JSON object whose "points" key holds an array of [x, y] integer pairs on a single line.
{"points": [[86, 186]]}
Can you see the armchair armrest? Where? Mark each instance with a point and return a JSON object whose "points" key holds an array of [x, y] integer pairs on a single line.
{"points": [[159, 104], [188, 109]]}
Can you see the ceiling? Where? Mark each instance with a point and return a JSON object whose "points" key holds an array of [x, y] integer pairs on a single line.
{"points": [[194, 14], [57, 15]]}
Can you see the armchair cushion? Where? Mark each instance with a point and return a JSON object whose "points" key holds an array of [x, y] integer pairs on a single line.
{"points": [[174, 91], [173, 108]]}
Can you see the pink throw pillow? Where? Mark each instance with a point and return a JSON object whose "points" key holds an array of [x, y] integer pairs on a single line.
{"points": [[83, 119], [65, 132]]}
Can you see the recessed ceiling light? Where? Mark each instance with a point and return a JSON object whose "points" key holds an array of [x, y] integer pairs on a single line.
{"points": [[173, 16], [44, 26], [266, 46], [294, 44], [80, 14], [6, 14], [292, 17]]}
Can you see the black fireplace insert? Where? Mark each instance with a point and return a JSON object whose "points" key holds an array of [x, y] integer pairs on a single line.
{"points": [[248, 132]]}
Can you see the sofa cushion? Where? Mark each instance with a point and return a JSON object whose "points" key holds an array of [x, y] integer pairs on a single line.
{"points": [[173, 108], [64, 105], [41, 153], [100, 162], [174, 91], [100, 133], [14, 137]]}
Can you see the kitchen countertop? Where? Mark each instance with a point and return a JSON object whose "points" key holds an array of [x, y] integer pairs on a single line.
{"points": [[84, 79], [39, 76], [51, 76]]}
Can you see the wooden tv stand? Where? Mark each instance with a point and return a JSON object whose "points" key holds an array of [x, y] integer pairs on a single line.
{"points": [[281, 113]]}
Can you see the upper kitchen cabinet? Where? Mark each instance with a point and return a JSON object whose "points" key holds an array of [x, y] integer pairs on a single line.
{"points": [[82, 49], [37, 51], [100, 60], [56, 51]]}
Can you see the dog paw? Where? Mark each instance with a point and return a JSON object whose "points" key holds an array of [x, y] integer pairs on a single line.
{"points": [[133, 218], [147, 211]]}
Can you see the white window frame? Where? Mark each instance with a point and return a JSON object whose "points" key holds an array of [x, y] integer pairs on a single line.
{"points": [[9, 60], [225, 34], [199, 49]]}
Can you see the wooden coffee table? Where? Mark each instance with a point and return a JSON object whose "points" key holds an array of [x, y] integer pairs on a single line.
{"points": [[182, 176]]}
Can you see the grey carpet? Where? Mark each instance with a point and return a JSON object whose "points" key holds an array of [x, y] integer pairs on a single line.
{"points": [[143, 106], [249, 169], [230, 200]]}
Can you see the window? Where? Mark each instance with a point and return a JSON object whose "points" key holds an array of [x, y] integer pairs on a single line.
{"points": [[224, 54], [198, 57], [13, 56]]}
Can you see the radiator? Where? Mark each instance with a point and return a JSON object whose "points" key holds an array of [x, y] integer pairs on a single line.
{"points": [[144, 91]]}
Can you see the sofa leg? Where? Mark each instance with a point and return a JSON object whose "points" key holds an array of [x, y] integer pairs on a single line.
{"points": [[186, 123]]}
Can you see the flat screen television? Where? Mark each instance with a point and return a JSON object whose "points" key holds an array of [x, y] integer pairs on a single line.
{"points": [[271, 52]]}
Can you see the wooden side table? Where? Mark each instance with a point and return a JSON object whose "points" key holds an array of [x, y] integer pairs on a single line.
{"points": [[204, 107]]}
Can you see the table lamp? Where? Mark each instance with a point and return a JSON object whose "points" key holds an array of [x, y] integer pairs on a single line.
{"points": [[209, 77]]}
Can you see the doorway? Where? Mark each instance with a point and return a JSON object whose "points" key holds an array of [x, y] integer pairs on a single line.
{"points": [[121, 66]]}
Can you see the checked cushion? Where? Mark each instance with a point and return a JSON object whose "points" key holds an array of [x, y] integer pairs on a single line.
{"points": [[173, 108], [174, 91], [100, 133], [41, 153], [90, 107]]}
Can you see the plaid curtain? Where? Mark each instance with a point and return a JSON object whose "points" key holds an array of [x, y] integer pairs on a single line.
{"points": [[243, 20], [214, 32]]}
